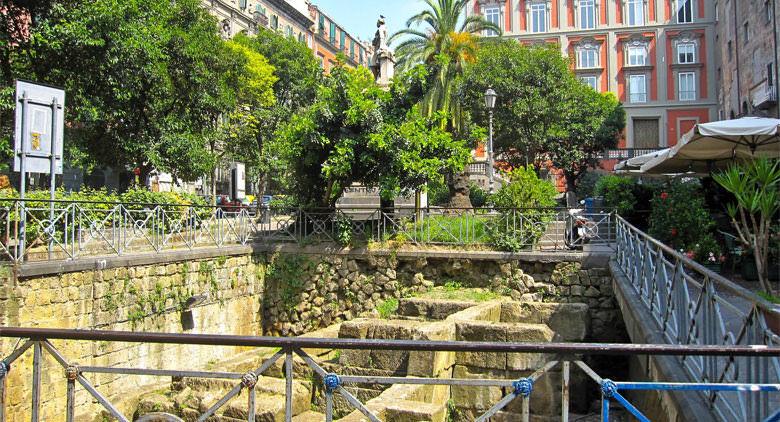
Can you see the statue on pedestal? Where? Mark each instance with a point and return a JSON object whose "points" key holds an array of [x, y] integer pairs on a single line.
{"points": [[383, 64]]}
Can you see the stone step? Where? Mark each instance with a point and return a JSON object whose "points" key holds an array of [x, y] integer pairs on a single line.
{"points": [[268, 407], [309, 416], [413, 411]]}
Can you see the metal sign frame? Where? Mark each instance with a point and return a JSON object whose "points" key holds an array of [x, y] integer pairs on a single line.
{"points": [[38, 140]]}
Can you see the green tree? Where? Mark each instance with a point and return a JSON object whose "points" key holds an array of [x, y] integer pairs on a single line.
{"points": [[356, 132], [542, 112], [146, 80], [298, 75], [443, 39], [756, 187]]}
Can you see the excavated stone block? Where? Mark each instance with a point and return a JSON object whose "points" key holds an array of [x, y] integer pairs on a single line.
{"points": [[481, 331], [469, 397], [431, 308], [569, 321], [414, 411]]}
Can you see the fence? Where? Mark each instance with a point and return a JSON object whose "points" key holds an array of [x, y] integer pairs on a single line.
{"points": [[564, 354], [695, 306], [34, 230]]}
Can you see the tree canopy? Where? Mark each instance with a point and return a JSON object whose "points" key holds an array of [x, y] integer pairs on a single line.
{"points": [[354, 133], [147, 80], [543, 112]]}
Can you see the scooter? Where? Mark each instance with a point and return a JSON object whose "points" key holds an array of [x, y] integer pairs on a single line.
{"points": [[579, 229]]}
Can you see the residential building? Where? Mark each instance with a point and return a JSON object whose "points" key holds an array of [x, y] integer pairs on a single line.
{"points": [[747, 37], [657, 56], [289, 17], [330, 39]]}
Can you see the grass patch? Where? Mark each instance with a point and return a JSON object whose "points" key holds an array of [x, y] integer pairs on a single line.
{"points": [[387, 308], [458, 229], [455, 292], [770, 298]]}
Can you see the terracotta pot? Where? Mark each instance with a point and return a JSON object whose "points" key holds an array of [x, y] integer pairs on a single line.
{"points": [[772, 319]]}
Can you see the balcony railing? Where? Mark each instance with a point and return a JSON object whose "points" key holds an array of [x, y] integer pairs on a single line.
{"points": [[626, 153], [35, 230], [695, 307], [565, 356]]}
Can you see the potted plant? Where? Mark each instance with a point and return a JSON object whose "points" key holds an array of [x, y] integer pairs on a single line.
{"points": [[772, 318], [756, 187], [709, 254]]}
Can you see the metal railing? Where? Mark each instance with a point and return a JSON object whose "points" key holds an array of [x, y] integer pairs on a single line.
{"points": [[35, 230], [626, 153], [695, 306], [563, 355]]}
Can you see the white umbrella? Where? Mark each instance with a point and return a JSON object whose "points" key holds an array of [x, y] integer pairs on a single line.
{"points": [[632, 165], [716, 145]]}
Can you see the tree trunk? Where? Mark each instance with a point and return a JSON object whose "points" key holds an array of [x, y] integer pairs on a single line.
{"points": [[214, 187], [458, 185]]}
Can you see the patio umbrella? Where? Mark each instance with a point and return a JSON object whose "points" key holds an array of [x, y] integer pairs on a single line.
{"points": [[716, 145], [632, 165]]}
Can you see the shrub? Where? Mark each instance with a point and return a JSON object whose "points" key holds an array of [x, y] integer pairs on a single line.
{"points": [[708, 251], [478, 196], [387, 308], [618, 193], [525, 190], [678, 217]]}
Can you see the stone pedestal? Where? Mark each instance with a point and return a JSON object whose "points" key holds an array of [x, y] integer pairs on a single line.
{"points": [[384, 67]]}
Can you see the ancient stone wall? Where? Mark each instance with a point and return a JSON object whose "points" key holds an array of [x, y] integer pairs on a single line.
{"points": [[311, 291], [136, 298]]}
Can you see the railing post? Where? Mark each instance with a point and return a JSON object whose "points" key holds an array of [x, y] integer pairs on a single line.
{"points": [[36, 382], [565, 391], [288, 374], [71, 373]]}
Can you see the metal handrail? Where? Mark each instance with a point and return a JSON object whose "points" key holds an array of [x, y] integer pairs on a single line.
{"points": [[363, 344], [713, 276]]}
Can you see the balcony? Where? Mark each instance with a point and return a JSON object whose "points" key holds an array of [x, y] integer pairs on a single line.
{"points": [[763, 95], [626, 153]]}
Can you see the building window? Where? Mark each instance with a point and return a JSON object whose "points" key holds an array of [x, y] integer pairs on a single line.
{"points": [[768, 11], [635, 10], [493, 15], [686, 53], [746, 32], [352, 49], [637, 55], [587, 57], [770, 75], [687, 86], [275, 22], [332, 34], [289, 31], [591, 81], [360, 55], [637, 88], [730, 50], [538, 17], [302, 38], [343, 41], [587, 14], [684, 11], [322, 25]]}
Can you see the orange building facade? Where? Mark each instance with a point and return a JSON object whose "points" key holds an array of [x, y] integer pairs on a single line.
{"points": [[657, 56], [331, 39]]}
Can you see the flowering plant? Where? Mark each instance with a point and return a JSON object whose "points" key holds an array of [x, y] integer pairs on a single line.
{"points": [[708, 251]]}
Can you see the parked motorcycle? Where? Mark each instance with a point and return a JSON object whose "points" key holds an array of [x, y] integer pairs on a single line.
{"points": [[580, 229]]}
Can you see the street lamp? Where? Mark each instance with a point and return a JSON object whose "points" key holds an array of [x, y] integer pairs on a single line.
{"points": [[490, 104]]}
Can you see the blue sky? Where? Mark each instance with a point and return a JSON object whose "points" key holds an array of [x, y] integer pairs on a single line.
{"points": [[359, 17]]}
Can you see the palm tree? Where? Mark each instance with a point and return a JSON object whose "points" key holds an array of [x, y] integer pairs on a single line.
{"points": [[445, 41]]}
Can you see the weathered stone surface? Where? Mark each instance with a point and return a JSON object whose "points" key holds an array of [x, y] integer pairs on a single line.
{"points": [[431, 308], [569, 321], [479, 398], [414, 411]]}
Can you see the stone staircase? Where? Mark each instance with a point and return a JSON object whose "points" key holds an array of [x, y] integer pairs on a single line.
{"points": [[417, 319]]}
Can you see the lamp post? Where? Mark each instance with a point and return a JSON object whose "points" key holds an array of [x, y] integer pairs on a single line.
{"points": [[490, 104]]}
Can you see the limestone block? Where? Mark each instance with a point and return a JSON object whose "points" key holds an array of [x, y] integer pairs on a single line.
{"points": [[569, 321], [413, 411], [527, 333], [481, 331], [469, 397]]}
